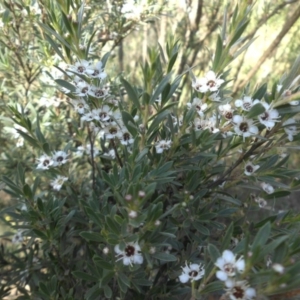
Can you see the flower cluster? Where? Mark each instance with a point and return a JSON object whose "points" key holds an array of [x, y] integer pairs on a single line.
{"points": [[57, 159], [229, 268]]}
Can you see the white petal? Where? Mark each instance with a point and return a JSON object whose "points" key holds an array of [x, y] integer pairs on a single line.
{"points": [[138, 259], [220, 262], [237, 119], [250, 293], [229, 283], [228, 256], [184, 278], [126, 261], [221, 275], [238, 103], [240, 265]]}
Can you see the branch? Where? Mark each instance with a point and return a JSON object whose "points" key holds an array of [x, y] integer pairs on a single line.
{"points": [[287, 26]]}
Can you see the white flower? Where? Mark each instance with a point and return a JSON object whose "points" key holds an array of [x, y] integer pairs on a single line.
{"points": [[226, 111], [198, 105], [208, 83], [199, 124], [80, 67], [102, 114], [261, 202], [132, 214], [163, 145], [267, 188], [58, 182], [192, 272], [59, 158], [130, 255], [45, 162], [88, 116], [80, 150], [215, 97], [246, 103], [250, 168], [269, 117], [18, 237], [110, 154], [290, 128], [239, 290], [88, 150], [35, 9], [228, 265], [112, 131], [213, 82], [125, 137], [80, 105], [244, 126], [278, 268], [98, 92], [96, 71], [82, 89]]}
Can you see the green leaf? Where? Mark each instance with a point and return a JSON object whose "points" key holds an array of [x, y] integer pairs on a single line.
{"points": [[156, 119], [102, 263], [255, 111], [164, 256], [213, 287], [131, 93], [278, 194], [107, 291], [84, 276], [160, 88], [202, 229], [262, 236], [27, 191], [92, 236], [227, 237], [66, 85], [214, 252], [129, 123], [218, 54]]}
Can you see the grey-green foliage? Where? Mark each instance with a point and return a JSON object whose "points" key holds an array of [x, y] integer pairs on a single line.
{"points": [[188, 200]]}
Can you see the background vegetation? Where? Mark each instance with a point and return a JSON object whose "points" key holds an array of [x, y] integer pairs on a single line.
{"points": [[39, 40]]}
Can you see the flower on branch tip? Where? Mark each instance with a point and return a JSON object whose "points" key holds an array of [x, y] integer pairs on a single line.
{"points": [[267, 188], [250, 168], [58, 182], [45, 162], [290, 128], [246, 103], [130, 255], [80, 67], [228, 265], [244, 126], [226, 111], [80, 105], [18, 237], [98, 92], [163, 145], [193, 272], [239, 290], [209, 83], [261, 202], [269, 117], [59, 158], [96, 71], [198, 105]]}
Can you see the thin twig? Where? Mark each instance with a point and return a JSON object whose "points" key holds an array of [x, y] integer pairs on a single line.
{"points": [[287, 26], [92, 157], [116, 152]]}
